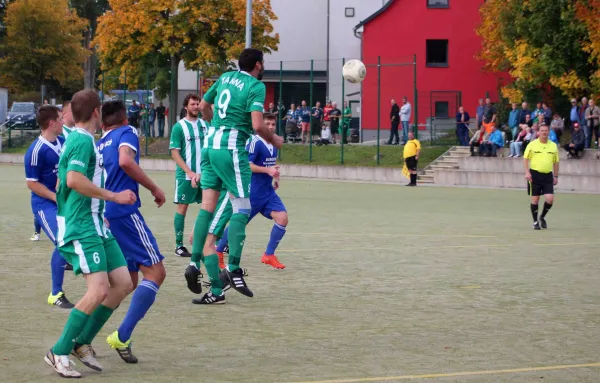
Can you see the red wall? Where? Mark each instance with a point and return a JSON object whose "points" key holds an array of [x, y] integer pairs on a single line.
{"points": [[401, 31], [270, 94]]}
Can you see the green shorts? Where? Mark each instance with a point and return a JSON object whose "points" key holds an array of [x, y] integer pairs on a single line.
{"points": [[222, 216], [93, 254], [229, 170], [186, 194]]}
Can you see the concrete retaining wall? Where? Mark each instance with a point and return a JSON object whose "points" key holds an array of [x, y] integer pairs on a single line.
{"points": [[485, 164]]}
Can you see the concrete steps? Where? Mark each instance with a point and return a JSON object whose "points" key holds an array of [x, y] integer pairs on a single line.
{"points": [[447, 161]]}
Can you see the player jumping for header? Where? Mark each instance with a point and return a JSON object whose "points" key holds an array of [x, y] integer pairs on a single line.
{"points": [[263, 199]]}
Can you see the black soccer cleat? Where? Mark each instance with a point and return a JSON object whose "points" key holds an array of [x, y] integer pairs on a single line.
{"points": [[536, 225], [193, 276], [210, 299], [226, 249], [68, 267], [543, 223], [181, 251], [235, 279]]}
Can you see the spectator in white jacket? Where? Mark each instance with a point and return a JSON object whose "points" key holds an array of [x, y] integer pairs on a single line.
{"points": [[405, 113]]}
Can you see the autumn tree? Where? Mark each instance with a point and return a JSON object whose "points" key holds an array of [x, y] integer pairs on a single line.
{"points": [[43, 42], [588, 11], [206, 34]]}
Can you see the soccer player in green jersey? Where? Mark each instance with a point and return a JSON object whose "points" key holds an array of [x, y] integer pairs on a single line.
{"points": [[85, 241], [68, 122], [239, 98], [186, 145]]}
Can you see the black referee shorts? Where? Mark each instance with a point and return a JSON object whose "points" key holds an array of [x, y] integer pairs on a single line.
{"points": [[411, 163], [541, 183]]}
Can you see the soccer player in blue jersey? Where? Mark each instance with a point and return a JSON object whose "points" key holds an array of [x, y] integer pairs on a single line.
{"points": [[263, 198], [119, 147], [41, 169]]}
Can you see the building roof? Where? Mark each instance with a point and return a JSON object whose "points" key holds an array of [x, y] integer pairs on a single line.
{"points": [[374, 15]]}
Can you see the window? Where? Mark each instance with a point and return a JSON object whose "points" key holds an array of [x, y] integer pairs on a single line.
{"points": [[437, 53], [441, 109], [349, 12], [438, 3]]}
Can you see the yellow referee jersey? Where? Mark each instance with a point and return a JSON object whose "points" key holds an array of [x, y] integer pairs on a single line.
{"points": [[411, 148], [542, 157]]}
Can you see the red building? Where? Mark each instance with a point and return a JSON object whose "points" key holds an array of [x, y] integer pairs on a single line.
{"points": [[441, 33]]}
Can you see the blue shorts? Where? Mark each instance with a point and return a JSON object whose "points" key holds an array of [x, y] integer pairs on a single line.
{"points": [[266, 206], [47, 220], [135, 240]]}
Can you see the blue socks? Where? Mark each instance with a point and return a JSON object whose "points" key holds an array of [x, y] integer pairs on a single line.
{"points": [[143, 297], [57, 267], [277, 234], [223, 241]]}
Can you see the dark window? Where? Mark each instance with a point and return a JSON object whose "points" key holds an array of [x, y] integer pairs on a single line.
{"points": [[349, 12], [438, 3], [437, 53], [441, 109]]}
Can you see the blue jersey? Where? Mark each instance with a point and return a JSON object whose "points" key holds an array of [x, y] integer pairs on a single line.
{"points": [[116, 180], [261, 153], [41, 165]]}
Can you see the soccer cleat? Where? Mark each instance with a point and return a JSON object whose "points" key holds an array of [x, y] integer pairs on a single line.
{"points": [[543, 223], [536, 225], [181, 251], [193, 276], [123, 348], [85, 353], [61, 364], [221, 260], [210, 299], [226, 249], [272, 261], [60, 300], [69, 267], [35, 237], [235, 279]]}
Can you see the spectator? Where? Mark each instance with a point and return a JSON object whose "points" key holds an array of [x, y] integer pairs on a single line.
{"points": [[489, 115], [494, 141], [182, 113], [160, 117], [326, 111], [133, 113], [395, 119], [524, 112], [538, 114], [317, 120], [151, 119], [334, 116], [405, 113], [577, 143], [574, 115], [305, 121], [557, 125], [592, 115], [551, 134], [281, 118], [517, 144], [478, 139], [144, 119], [346, 120], [325, 136], [462, 127], [547, 114], [272, 109], [479, 112], [528, 121], [513, 121], [584, 122]]}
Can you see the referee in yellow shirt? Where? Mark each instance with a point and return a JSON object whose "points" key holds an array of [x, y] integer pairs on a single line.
{"points": [[541, 172], [412, 149]]}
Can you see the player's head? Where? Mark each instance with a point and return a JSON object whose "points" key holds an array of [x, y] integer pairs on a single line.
{"points": [[191, 104], [411, 135], [67, 114], [85, 106], [251, 61], [114, 114], [543, 131], [49, 118], [270, 121]]}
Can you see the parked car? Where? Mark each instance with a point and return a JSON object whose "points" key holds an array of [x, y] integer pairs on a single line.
{"points": [[22, 116]]}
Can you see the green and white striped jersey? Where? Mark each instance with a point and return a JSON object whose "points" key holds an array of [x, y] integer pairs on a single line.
{"points": [[79, 216], [66, 131], [187, 137], [236, 95]]}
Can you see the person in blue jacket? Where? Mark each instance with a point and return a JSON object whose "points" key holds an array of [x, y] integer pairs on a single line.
{"points": [[494, 142]]}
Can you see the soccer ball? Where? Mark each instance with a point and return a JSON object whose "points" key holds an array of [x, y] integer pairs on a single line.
{"points": [[354, 71]]}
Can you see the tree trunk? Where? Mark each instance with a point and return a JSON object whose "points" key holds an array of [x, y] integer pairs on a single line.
{"points": [[173, 103]]}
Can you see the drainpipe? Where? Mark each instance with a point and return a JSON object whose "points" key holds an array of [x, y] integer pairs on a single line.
{"points": [[327, 61]]}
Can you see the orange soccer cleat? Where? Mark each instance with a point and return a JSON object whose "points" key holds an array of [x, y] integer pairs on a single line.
{"points": [[221, 260], [272, 260]]}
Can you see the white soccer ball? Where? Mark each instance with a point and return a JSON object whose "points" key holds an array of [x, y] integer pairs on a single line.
{"points": [[354, 71]]}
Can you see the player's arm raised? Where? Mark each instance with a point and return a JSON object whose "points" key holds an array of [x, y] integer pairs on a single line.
{"points": [[41, 190], [82, 185], [130, 166]]}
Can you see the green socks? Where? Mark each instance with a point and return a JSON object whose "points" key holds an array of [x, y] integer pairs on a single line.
{"points": [[200, 233], [74, 327], [212, 268], [237, 235], [93, 326], [179, 224]]}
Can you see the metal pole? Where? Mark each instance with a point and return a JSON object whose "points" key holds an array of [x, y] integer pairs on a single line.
{"points": [[125, 88], [416, 101], [197, 82], [281, 132], [248, 23], [343, 94], [312, 63], [378, 104], [102, 87], [147, 116]]}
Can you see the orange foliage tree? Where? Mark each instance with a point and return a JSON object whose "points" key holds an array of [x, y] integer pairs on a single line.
{"points": [[588, 11]]}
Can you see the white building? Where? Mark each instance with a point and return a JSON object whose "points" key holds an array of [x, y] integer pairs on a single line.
{"points": [[318, 30]]}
